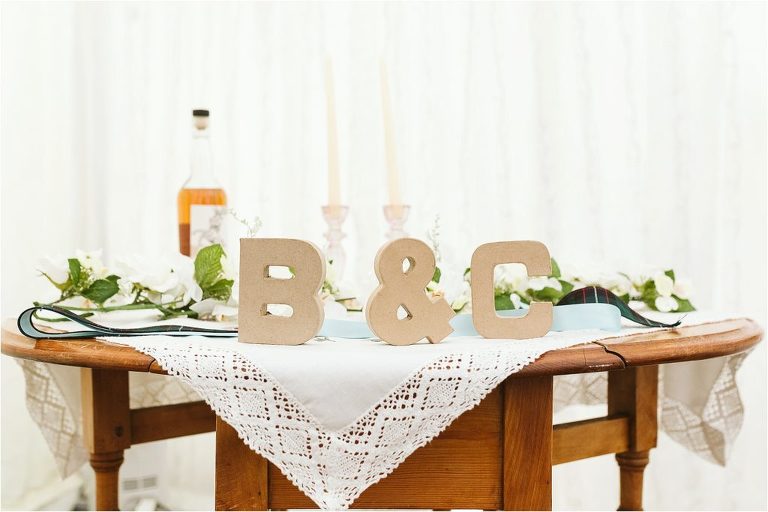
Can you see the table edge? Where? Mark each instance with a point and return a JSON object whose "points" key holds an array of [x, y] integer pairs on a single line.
{"points": [[703, 341]]}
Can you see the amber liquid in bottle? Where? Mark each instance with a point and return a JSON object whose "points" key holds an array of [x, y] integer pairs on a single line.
{"points": [[201, 188], [189, 197]]}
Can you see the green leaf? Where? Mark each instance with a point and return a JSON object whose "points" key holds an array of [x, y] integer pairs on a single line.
{"points": [[209, 273], [671, 274], [503, 302], [220, 290], [208, 268], [61, 286], [624, 298], [648, 291], [100, 290], [683, 305], [567, 287], [466, 271], [436, 275], [546, 294], [648, 294], [555, 269], [75, 271]]}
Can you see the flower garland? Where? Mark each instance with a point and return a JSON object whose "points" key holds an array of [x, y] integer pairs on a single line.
{"points": [[206, 287], [173, 287], [513, 289]]}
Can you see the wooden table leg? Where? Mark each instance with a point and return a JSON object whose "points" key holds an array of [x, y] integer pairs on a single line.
{"points": [[106, 467], [241, 473], [528, 443], [106, 429], [634, 392]]}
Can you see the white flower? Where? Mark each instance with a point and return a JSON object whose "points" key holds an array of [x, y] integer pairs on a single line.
{"points": [[160, 278], [683, 288], [234, 297], [539, 283], [618, 284], [56, 268], [204, 307], [123, 295], [187, 288], [664, 284], [280, 272], [640, 275], [452, 284], [151, 274], [509, 277], [462, 302], [215, 309], [517, 302], [666, 304], [223, 312], [227, 266], [125, 286], [91, 260], [166, 281], [280, 310], [131, 268]]}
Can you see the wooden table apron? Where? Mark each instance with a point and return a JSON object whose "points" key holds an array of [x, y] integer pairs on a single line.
{"points": [[498, 455]]}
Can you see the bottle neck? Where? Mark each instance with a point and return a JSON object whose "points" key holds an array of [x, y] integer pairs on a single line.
{"points": [[201, 163]]}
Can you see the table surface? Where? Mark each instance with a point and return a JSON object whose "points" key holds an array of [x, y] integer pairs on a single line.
{"points": [[668, 346]]}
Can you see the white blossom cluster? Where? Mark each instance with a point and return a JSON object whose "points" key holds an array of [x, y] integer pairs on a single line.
{"points": [[168, 281]]}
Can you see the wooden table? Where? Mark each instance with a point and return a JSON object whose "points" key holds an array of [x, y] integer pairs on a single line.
{"points": [[499, 455]]}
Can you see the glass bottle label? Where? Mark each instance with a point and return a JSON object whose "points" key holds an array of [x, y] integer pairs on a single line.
{"points": [[206, 226]]}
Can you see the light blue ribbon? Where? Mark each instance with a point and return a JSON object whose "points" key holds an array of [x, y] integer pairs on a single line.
{"points": [[572, 317]]}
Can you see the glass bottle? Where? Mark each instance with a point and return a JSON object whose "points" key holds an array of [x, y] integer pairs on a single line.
{"points": [[202, 202]]}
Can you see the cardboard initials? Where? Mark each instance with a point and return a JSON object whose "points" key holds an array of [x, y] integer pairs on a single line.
{"points": [[426, 318], [535, 257], [258, 290]]}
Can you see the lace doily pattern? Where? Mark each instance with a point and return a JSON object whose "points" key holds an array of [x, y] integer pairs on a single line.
{"points": [[334, 467], [583, 389], [150, 390], [711, 433], [54, 406], [57, 422]]}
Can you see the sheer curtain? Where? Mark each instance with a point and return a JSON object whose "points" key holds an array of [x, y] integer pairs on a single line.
{"points": [[617, 133]]}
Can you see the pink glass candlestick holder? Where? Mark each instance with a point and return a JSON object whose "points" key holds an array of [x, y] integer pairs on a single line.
{"points": [[396, 215], [334, 216]]}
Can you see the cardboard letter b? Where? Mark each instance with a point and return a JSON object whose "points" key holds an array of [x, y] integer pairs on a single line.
{"points": [[258, 289]]}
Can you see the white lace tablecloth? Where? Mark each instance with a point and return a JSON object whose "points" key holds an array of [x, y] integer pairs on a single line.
{"points": [[338, 415]]}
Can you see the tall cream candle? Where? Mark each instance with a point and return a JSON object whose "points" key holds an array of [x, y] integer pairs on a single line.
{"points": [[393, 177], [334, 189]]}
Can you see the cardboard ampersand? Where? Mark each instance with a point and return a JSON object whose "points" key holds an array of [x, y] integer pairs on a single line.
{"points": [[426, 318], [535, 257], [258, 290]]}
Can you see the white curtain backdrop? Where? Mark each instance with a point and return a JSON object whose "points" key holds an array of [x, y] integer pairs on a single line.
{"points": [[619, 134]]}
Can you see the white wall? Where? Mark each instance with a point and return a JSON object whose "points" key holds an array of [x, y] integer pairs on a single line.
{"points": [[617, 133]]}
